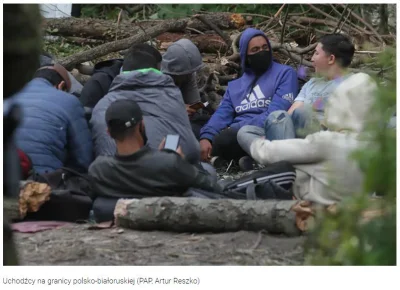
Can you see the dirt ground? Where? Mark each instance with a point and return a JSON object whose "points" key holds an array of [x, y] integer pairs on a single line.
{"points": [[77, 245]]}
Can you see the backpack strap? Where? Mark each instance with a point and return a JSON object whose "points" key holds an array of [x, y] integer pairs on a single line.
{"points": [[251, 191]]}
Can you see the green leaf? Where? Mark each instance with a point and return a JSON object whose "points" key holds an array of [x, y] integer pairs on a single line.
{"points": [[154, 16]]}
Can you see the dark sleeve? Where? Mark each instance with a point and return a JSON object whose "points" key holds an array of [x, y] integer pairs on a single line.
{"points": [[190, 91], [183, 174], [95, 89]]}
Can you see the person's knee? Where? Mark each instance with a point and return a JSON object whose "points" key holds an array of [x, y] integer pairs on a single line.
{"points": [[249, 129], [300, 112], [245, 129], [276, 117]]}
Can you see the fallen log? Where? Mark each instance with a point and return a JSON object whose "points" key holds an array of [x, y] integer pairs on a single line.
{"points": [[71, 61], [207, 215], [106, 29], [206, 43]]}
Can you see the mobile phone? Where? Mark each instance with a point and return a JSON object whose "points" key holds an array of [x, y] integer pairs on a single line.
{"points": [[172, 142], [198, 105]]}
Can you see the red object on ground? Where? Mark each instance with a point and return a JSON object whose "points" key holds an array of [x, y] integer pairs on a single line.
{"points": [[37, 226]]}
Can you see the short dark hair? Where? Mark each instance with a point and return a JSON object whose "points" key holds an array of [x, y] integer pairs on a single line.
{"points": [[137, 57], [138, 60], [146, 48], [340, 46], [119, 131], [49, 74]]}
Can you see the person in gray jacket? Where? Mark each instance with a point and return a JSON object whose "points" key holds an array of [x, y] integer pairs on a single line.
{"points": [[158, 97], [137, 171], [181, 61]]}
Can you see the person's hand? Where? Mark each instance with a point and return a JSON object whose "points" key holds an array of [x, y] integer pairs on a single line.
{"points": [[189, 110], [180, 152], [162, 144], [205, 148]]}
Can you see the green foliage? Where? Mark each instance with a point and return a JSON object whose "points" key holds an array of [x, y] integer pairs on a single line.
{"points": [[169, 11], [341, 239], [60, 49]]}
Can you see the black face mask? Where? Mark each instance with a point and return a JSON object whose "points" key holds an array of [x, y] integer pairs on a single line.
{"points": [[259, 62]]}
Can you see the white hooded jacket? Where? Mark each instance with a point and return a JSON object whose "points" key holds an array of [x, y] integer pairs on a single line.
{"points": [[326, 172]]}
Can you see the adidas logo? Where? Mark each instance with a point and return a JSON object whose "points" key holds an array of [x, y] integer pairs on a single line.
{"points": [[254, 100]]}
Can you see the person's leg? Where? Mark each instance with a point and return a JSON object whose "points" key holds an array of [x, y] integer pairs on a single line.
{"points": [[211, 171], [226, 146], [197, 123], [279, 126], [246, 136], [304, 123]]}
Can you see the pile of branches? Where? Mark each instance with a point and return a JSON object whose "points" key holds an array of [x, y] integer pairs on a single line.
{"points": [[293, 38]]}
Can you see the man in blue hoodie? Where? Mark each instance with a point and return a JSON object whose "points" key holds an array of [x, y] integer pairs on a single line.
{"points": [[264, 87]]}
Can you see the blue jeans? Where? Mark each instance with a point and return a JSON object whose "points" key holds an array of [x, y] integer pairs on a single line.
{"points": [[247, 134], [280, 125]]}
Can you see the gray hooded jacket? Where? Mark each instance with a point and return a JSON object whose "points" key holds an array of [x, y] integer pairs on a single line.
{"points": [[163, 112], [184, 58]]}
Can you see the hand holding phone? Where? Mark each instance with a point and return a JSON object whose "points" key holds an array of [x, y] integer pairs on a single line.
{"points": [[199, 105], [172, 142]]}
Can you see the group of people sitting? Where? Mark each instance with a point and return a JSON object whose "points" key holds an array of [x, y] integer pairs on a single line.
{"points": [[137, 101]]}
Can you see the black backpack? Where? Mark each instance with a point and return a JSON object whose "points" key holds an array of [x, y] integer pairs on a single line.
{"points": [[71, 196], [273, 182]]}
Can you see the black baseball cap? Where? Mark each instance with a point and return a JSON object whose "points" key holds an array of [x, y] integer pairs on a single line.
{"points": [[123, 113]]}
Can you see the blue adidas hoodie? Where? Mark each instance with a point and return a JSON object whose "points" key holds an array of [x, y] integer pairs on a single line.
{"points": [[248, 101]]}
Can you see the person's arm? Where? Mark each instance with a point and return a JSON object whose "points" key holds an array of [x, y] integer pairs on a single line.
{"points": [[296, 105], [182, 174], [296, 151], [92, 92], [190, 91], [299, 101], [281, 100], [79, 139], [221, 119]]}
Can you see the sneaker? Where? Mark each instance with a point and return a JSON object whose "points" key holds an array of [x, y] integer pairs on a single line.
{"points": [[246, 163], [218, 162]]}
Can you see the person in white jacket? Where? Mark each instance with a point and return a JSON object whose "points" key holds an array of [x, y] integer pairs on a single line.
{"points": [[326, 172]]}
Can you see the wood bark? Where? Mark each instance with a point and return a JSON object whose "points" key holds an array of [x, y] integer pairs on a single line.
{"points": [[207, 215], [107, 30], [71, 61], [206, 43], [11, 209]]}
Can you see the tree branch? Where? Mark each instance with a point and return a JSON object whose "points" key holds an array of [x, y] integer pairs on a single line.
{"points": [[224, 36], [70, 62]]}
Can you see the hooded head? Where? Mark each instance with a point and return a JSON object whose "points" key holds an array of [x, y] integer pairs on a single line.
{"points": [[255, 51], [181, 58], [350, 103]]}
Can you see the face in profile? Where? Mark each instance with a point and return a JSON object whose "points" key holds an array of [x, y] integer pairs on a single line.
{"points": [[322, 61]]}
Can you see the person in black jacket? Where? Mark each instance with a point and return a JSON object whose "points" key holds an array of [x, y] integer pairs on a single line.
{"points": [[136, 170], [97, 86]]}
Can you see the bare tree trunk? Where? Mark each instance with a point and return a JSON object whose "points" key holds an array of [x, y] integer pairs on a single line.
{"points": [[206, 215], [384, 17]]}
